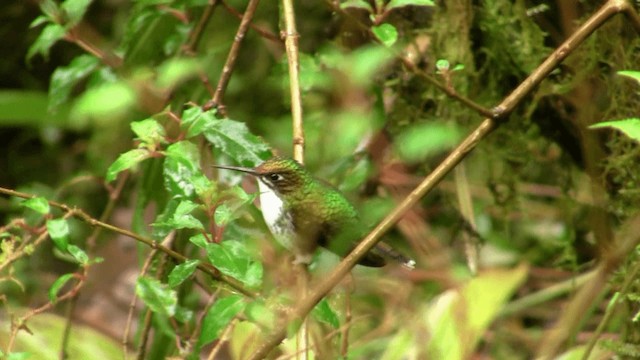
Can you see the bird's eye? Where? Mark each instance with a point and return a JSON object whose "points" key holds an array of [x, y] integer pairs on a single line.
{"points": [[275, 177]]}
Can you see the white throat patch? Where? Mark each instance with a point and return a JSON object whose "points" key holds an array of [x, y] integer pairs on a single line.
{"points": [[279, 224]]}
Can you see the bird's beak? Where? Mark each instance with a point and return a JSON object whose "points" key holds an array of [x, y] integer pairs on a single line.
{"points": [[237, 168]]}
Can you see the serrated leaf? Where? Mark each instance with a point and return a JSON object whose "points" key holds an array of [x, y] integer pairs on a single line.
{"points": [[630, 127], [59, 232], [218, 317], [157, 296], [386, 33], [65, 78], [182, 218], [194, 122], [149, 131], [75, 10], [182, 272], [78, 254], [57, 285], [401, 3], [126, 161], [47, 38], [232, 258], [107, 100], [324, 313], [37, 204], [181, 167], [234, 140]]}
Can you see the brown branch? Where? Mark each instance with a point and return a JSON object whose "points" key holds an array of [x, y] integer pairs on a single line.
{"points": [[80, 214], [291, 43], [263, 32], [196, 34], [227, 70], [485, 128]]}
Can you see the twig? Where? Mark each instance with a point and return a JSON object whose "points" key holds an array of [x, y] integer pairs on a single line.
{"points": [[265, 33], [227, 70], [196, 34], [291, 43], [500, 112], [80, 214]]}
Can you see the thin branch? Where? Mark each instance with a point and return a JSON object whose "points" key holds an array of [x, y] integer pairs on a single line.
{"points": [[291, 43], [196, 34], [500, 112], [227, 70], [263, 32], [80, 214]]}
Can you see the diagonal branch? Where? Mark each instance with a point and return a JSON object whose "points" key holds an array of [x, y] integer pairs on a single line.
{"points": [[456, 156], [80, 214], [227, 70]]}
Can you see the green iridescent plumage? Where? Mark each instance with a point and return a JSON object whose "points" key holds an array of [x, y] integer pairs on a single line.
{"points": [[303, 212]]}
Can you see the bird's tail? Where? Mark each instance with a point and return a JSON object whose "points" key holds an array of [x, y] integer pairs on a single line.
{"points": [[389, 252]]}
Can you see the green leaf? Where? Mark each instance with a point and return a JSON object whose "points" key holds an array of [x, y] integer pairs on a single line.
{"points": [[59, 232], [39, 21], [149, 131], [110, 100], [635, 75], [402, 3], [126, 161], [57, 285], [366, 62], [174, 71], [65, 78], [356, 4], [182, 272], [49, 36], [199, 240], [423, 140], [219, 316], [223, 215], [234, 140], [157, 296], [324, 313], [232, 258], [182, 218], [78, 254], [181, 168], [75, 9], [630, 127], [37, 204], [194, 122], [458, 318], [386, 33], [258, 313]]}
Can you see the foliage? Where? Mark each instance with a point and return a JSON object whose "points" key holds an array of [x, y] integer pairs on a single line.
{"points": [[118, 110]]}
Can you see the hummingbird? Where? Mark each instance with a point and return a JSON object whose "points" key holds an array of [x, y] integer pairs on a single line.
{"points": [[304, 213]]}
